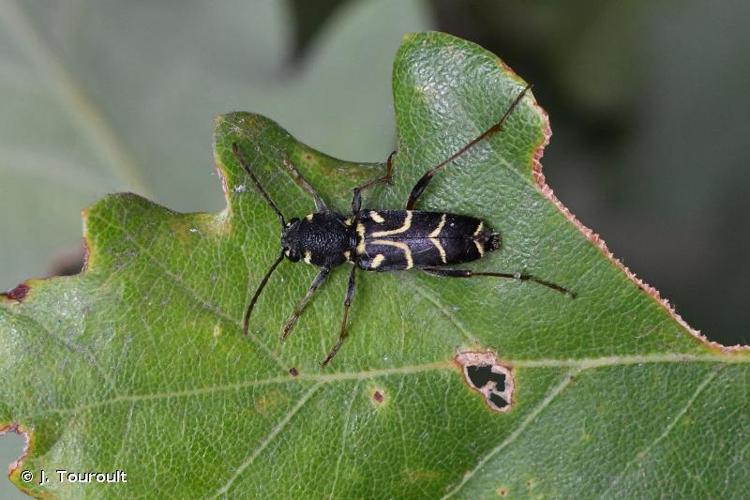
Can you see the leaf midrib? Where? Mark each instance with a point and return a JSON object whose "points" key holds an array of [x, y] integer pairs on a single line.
{"points": [[576, 365]]}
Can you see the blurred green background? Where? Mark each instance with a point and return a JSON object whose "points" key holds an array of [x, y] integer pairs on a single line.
{"points": [[648, 103]]}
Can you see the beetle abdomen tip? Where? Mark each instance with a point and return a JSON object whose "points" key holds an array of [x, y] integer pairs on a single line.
{"points": [[494, 242]]}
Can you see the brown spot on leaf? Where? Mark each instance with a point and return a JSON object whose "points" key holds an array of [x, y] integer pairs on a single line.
{"points": [[269, 401], [378, 397], [484, 373], [18, 293], [503, 492], [293, 371]]}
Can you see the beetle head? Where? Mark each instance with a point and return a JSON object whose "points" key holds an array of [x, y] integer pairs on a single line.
{"points": [[290, 240]]}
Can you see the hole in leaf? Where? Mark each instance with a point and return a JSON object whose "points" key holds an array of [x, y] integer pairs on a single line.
{"points": [[481, 375], [498, 400], [484, 373]]}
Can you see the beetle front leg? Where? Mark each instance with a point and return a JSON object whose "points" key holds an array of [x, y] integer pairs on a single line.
{"points": [[320, 205], [343, 332]]}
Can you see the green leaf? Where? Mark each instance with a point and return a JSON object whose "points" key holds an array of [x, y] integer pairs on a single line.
{"points": [[139, 363]]}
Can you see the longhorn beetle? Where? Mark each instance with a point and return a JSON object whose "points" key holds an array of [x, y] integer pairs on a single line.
{"points": [[382, 240]]}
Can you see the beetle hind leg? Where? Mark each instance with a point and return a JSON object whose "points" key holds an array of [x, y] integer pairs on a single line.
{"points": [[523, 276]]}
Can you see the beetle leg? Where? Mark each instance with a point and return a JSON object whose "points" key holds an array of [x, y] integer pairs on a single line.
{"points": [[387, 178], [423, 181], [344, 332], [320, 205], [292, 321], [523, 276]]}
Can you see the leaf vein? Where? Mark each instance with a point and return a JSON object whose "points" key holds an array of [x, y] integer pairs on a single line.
{"points": [[344, 436], [205, 304], [701, 387], [72, 347], [551, 396], [267, 440], [575, 365]]}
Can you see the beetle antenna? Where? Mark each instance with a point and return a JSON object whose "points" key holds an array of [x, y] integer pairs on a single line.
{"points": [[422, 183], [246, 320], [497, 127], [241, 159]]}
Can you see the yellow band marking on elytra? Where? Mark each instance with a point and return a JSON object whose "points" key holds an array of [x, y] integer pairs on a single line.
{"points": [[404, 227], [348, 255], [439, 228], [376, 217], [479, 248], [309, 217], [401, 246], [440, 249], [435, 241], [308, 256], [479, 229], [379, 258], [361, 237]]}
